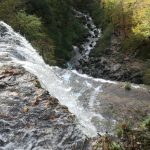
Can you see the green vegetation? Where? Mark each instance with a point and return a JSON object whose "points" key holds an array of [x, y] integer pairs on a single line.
{"points": [[122, 128], [50, 26], [30, 25], [92, 7], [115, 146], [127, 86], [127, 138], [131, 23], [146, 124], [130, 20]]}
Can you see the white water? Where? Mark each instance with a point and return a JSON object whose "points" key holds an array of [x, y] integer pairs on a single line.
{"points": [[77, 92], [94, 34]]}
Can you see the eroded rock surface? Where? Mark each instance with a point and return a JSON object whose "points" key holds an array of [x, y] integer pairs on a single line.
{"points": [[32, 119]]}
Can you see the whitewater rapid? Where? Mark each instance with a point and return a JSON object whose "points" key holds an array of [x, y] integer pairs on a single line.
{"points": [[76, 91], [83, 50]]}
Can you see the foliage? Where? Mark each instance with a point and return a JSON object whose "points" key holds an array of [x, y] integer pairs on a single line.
{"points": [[146, 124], [63, 28], [50, 22], [131, 23], [8, 9], [46, 50], [115, 146], [29, 25], [141, 19], [54, 20], [122, 128]]}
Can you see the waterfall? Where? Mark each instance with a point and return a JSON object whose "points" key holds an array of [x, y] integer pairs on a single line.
{"points": [[94, 33], [76, 91]]}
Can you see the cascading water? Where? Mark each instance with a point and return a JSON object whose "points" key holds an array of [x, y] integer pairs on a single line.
{"points": [[77, 92], [83, 51]]}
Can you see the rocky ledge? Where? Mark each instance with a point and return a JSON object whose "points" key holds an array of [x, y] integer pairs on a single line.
{"points": [[113, 66], [30, 118]]}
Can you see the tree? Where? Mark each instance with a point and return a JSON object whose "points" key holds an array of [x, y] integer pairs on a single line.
{"points": [[29, 25], [8, 9], [141, 18]]}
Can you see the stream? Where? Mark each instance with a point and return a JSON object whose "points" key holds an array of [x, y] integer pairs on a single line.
{"points": [[82, 52], [97, 104], [76, 91]]}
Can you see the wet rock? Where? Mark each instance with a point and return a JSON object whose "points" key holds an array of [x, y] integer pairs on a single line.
{"points": [[2, 143], [137, 77], [2, 85], [91, 45], [96, 32], [3, 30], [112, 68], [30, 117]]}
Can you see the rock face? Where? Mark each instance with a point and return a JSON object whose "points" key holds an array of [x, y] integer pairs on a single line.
{"points": [[110, 63], [113, 67], [32, 119]]}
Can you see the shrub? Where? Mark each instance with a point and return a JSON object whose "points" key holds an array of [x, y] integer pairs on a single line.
{"points": [[30, 25], [8, 9], [146, 124], [128, 86], [115, 146]]}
